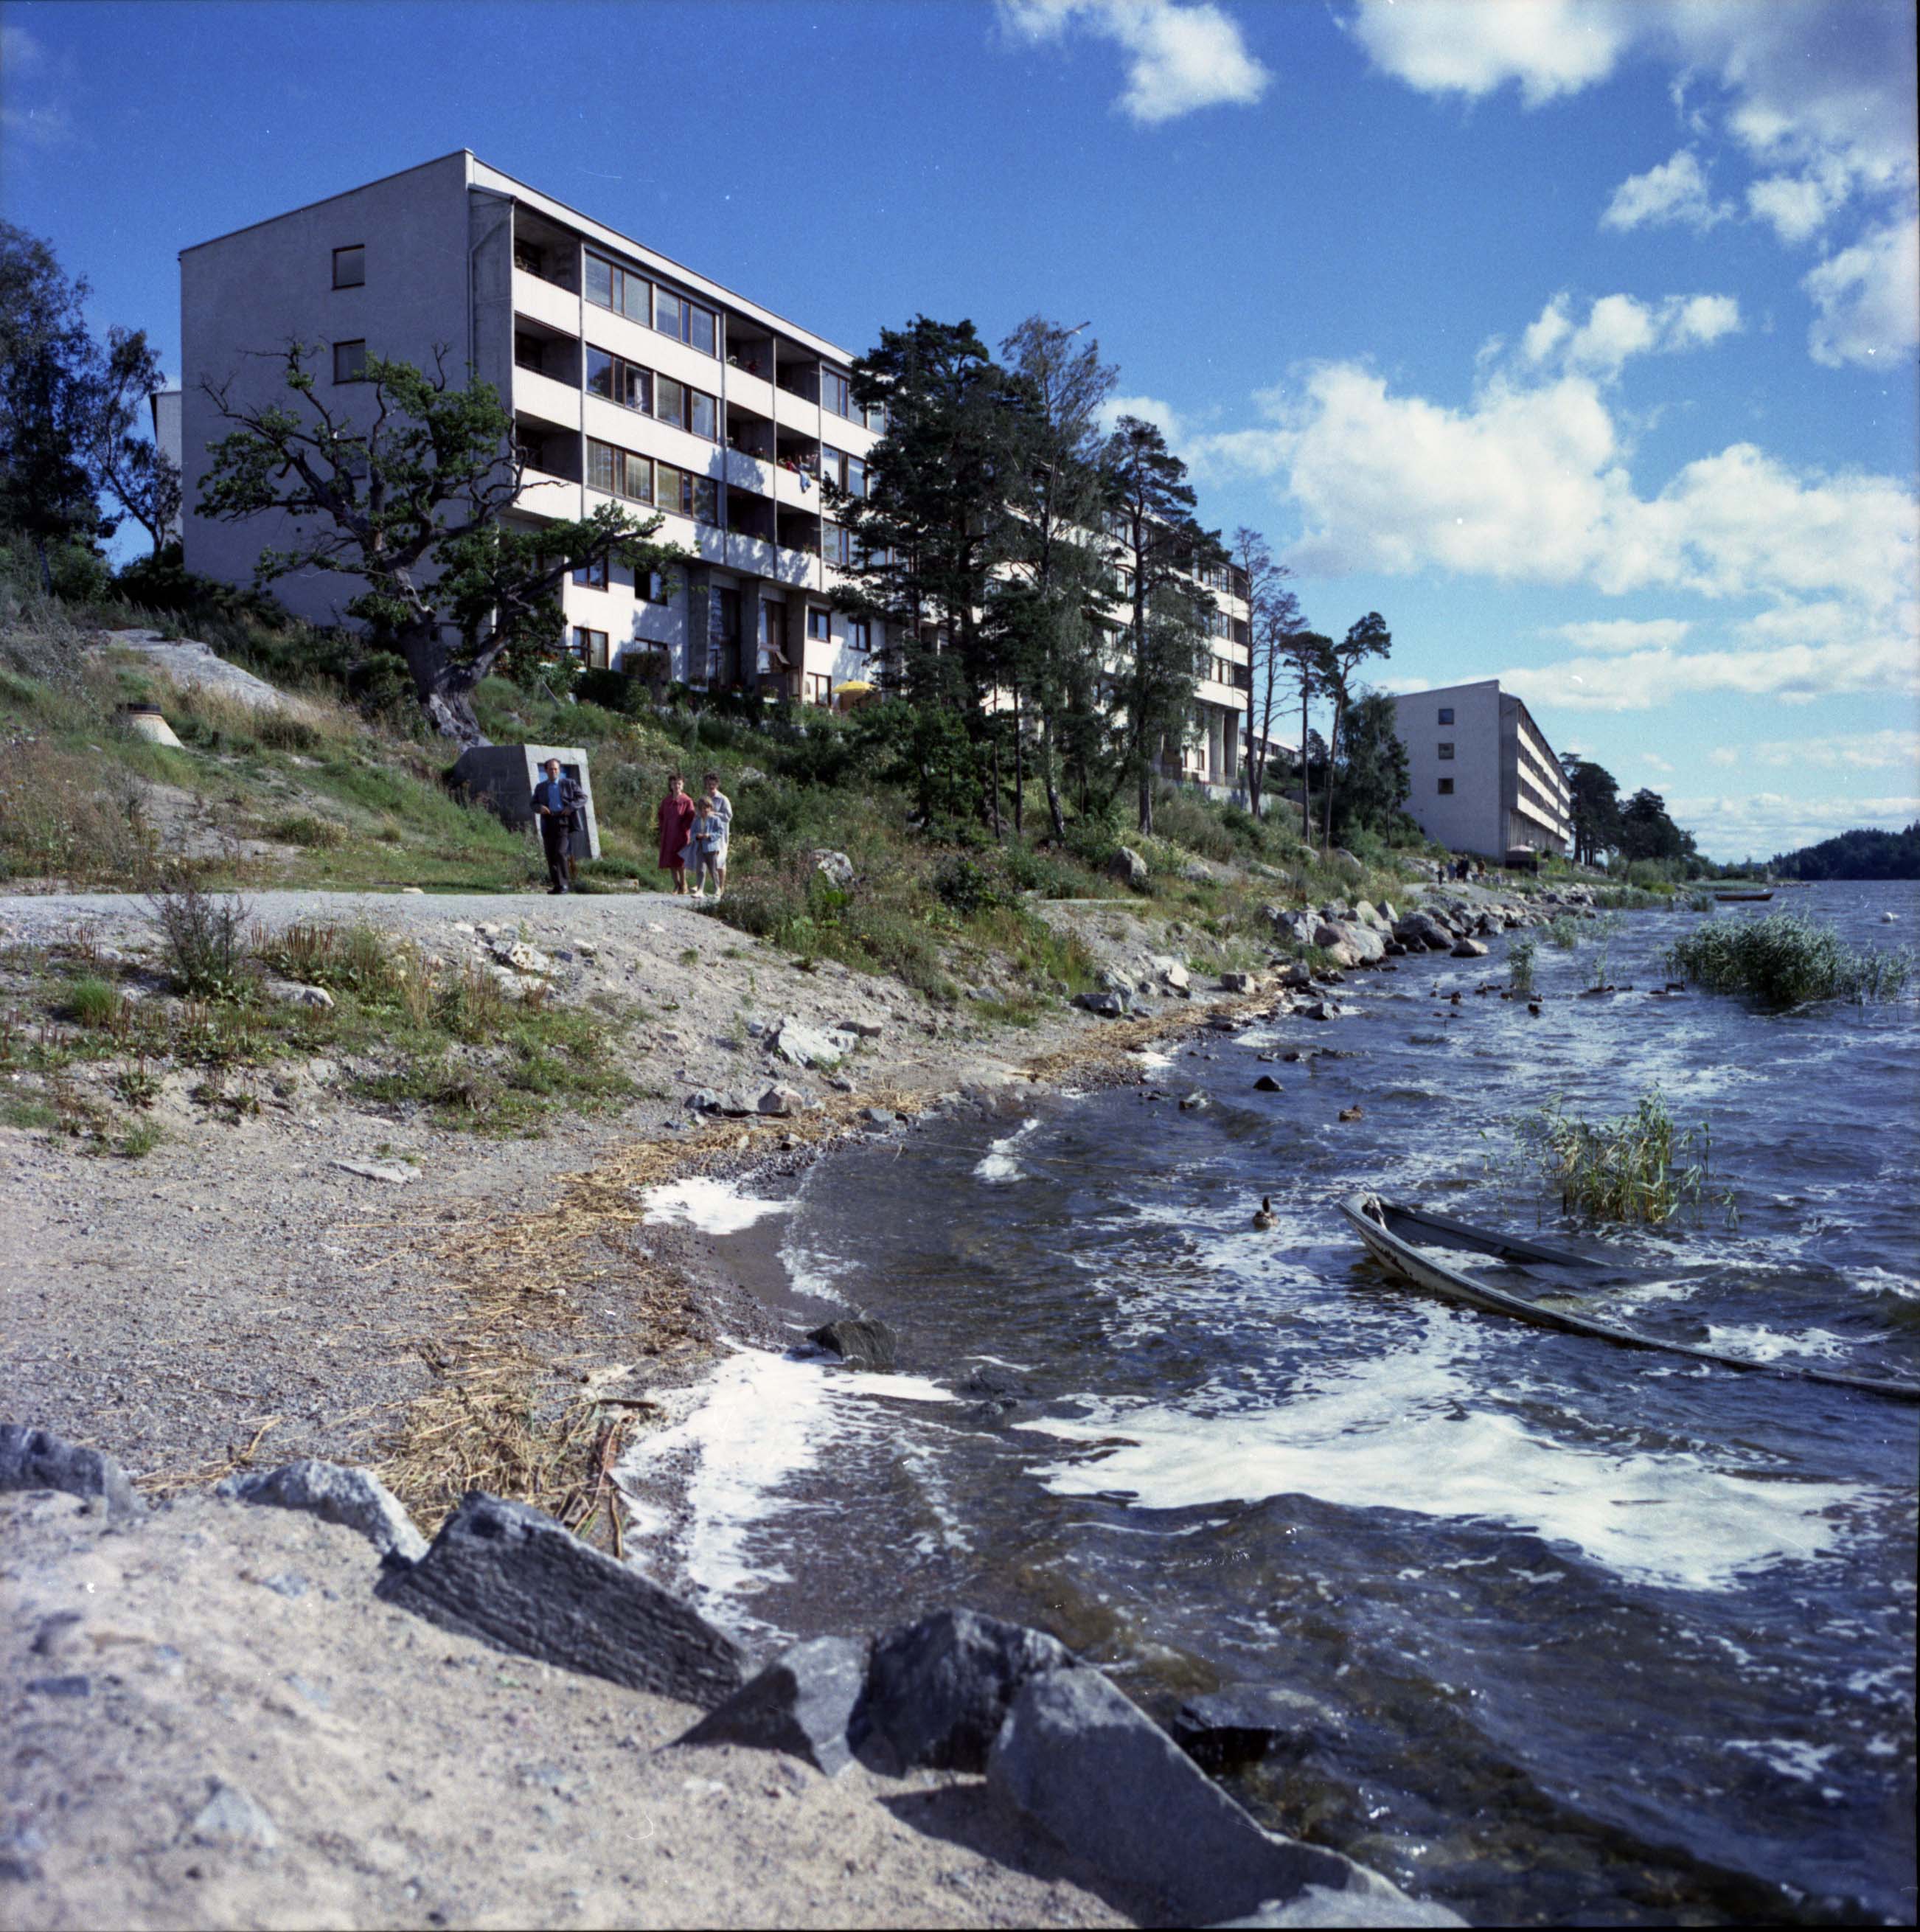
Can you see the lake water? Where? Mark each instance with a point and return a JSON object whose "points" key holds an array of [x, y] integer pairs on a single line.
{"points": [[1601, 1635]]}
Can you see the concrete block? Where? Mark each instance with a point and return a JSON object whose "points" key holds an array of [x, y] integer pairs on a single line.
{"points": [[503, 776]]}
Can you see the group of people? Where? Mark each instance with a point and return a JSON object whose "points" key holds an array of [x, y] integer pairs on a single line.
{"points": [[693, 832]]}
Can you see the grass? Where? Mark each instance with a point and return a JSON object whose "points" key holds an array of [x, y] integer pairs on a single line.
{"points": [[1787, 959], [1639, 1168], [1521, 954], [1562, 932]]}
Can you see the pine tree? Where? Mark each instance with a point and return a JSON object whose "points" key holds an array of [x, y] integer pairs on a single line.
{"points": [[1369, 638]]}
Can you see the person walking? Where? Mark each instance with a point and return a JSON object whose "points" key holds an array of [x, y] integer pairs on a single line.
{"points": [[556, 803], [676, 821], [712, 827]]}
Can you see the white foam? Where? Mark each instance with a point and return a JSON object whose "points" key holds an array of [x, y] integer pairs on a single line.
{"points": [[1400, 1431], [1762, 1344], [713, 1206], [999, 1166], [1790, 1756]]}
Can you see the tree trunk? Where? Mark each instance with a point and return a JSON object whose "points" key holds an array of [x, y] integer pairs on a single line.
{"points": [[1019, 771], [1333, 756], [1305, 788], [1252, 767], [444, 688], [1049, 777]]}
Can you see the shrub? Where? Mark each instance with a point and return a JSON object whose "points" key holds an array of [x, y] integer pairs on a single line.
{"points": [[1637, 1168], [1520, 956], [967, 885], [1786, 960], [1562, 932], [95, 1003], [202, 935]]}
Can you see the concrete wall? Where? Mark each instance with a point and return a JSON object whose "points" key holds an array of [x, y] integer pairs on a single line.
{"points": [[503, 777], [1472, 817]]}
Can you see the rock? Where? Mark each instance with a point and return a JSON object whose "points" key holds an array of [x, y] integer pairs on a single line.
{"points": [[803, 1045], [880, 1117], [1195, 1102], [1229, 1728], [1129, 868], [292, 993], [859, 1342], [1108, 1005], [512, 1577], [1351, 1114], [355, 1499], [1171, 973], [1266, 1084], [840, 1083], [860, 1029], [522, 959], [780, 1102], [938, 1691], [231, 1819], [1317, 1906], [391, 1172], [35, 1459], [1329, 933], [1237, 982], [1075, 1756], [1469, 949], [1296, 973], [835, 868], [1315, 1009], [803, 1703], [1198, 872], [1422, 928]]}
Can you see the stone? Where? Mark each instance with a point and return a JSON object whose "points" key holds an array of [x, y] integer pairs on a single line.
{"points": [[1195, 1102], [860, 1029], [1315, 1009], [1237, 982], [880, 1117], [520, 957], [1296, 973], [1171, 972], [1266, 1084], [291, 993], [835, 868], [510, 1576], [938, 1691], [1077, 1758], [1423, 929], [1230, 1727], [356, 1499], [1108, 1005], [391, 1171], [36, 1458], [860, 1342], [780, 1102], [1128, 867], [803, 1703], [232, 1819], [804, 1045], [1469, 949]]}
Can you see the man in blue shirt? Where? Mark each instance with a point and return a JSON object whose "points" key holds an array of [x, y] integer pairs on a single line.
{"points": [[557, 803]]}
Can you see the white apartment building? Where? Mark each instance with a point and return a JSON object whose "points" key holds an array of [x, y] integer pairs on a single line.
{"points": [[1484, 777], [631, 379]]}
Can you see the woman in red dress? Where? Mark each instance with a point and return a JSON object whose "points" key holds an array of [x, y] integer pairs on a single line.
{"points": [[676, 829]]}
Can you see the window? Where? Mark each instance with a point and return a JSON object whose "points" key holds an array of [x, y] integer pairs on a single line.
{"points": [[835, 543], [590, 647], [877, 419], [1446, 787], [349, 361], [833, 395], [529, 351], [848, 472], [527, 257], [1446, 714], [669, 401], [349, 266], [592, 576], [684, 493], [820, 688], [703, 415], [649, 587], [819, 624], [620, 473], [1446, 748], [859, 636], [620, 290]]}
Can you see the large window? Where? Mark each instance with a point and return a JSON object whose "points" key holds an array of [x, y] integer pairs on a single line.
{"points": [[620, 473], [590, 647], [819, 624], [634, 388], [349, 266], [349, 361], [820, 688], [649, 587], [620, 289], [641, 299], [834, 397], [836, 544], [859, 635], [850, 472], [690, 495], [592, 575]]}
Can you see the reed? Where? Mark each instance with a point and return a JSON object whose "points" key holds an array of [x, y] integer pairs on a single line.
{"points": [[1787, 959], [1640, 1167], [1520, 956]]}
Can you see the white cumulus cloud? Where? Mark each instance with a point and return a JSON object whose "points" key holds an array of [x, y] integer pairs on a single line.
{"points": [[1891, 748], [1674, 191], [1618, 326], [1867, 299], [1624, 633], [1548, 47], [1184, 55], [1763, 823]]}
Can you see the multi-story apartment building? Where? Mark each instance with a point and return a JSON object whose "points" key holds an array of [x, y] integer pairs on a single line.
{"points": [[631, 379], [1484, 777]]}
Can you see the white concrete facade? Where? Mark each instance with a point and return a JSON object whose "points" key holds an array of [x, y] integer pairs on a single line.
{"points": [[1482, 777], [630, 379]]}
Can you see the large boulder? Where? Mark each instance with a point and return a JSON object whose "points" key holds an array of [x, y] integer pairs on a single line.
{"points": [[355, 1499], [1128, 867], [1171, 973], [938, 1691], [803, 1703], [1226, 1728], [1077, 1757], [1422, 929], [510, 1576], [36, 1458], [860, 1343], [1109, 1006]]}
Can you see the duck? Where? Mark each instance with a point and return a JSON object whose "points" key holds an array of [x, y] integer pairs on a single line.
{"points": [[1351, 1114], [1264, 1216]]}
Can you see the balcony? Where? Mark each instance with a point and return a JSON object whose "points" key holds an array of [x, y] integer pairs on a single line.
{"points": [[537, 393], [545, 301]]}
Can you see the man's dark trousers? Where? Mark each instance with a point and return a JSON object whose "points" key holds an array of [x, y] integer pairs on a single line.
{"points": [[556, 836]]}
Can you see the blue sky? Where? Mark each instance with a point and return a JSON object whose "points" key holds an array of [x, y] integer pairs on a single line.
{"points": [[1575, 336]]}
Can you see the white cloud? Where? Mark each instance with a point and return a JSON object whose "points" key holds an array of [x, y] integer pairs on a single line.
{"points": [[1163, 416], [46, 124], [20, 54], [1796, 206], [1618, 326], [1624, 633], [1867, 299], [1548, 47], [1675, 191], [1766, 822], [1851, 751], [1185, 54]]}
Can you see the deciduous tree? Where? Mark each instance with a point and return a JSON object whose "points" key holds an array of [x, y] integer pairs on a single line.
{"points": [[1274, 618]]}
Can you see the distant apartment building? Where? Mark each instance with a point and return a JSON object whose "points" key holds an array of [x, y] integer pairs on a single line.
{"points": [[631, 379], [1484, 777]]}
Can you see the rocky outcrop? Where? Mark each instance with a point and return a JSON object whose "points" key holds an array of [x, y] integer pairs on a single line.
{"points": [[1423, 930], [513, 1577], [355, 1499], [859, 1343], [835, 868], [35, 1459]]}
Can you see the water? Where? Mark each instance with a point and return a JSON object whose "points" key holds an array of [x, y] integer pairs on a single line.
{"points": [[1609, 1636]]}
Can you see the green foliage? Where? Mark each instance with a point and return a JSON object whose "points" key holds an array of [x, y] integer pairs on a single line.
{"points": [[1868, 853], [1786, 960], [1562, 932], [203, 935], [1521, 955], [1639, 1168], [1373, 780], [95, 1003]]}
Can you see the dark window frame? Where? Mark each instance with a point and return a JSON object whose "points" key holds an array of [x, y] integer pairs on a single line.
{"points": [[357, 371], [1446, 748], [1446, 788], [359, 248], [1446, 714], [820, 615]]}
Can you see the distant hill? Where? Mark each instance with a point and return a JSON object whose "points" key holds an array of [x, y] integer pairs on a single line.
{"points": [[1867, 854]]}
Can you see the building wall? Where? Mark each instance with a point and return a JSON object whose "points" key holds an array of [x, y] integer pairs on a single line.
{"points": [[1507, 791]]}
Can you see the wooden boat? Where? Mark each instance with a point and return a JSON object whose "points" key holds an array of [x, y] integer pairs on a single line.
{"points": [[1405, 1240], [1729, 899]]}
